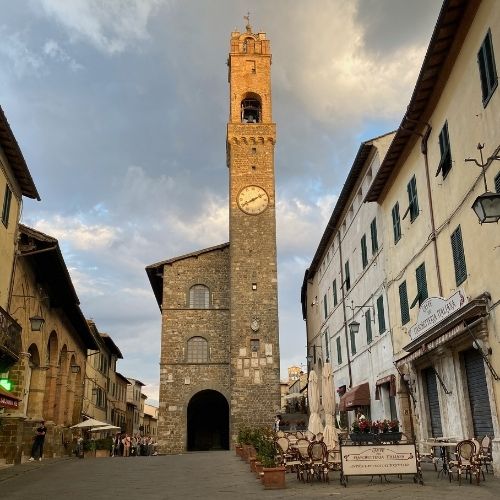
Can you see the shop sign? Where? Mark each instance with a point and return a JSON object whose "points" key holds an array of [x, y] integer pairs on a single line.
{"points": [[434, 310], [7, 402], [378, 460]]}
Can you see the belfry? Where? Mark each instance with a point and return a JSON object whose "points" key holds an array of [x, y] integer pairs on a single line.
{"points": [[219, 365]]}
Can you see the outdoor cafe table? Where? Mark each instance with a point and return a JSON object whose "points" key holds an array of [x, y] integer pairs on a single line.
{"points": [[445, 453]]}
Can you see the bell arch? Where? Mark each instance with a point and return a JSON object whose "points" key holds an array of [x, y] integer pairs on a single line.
{"points": [[207, 421]]}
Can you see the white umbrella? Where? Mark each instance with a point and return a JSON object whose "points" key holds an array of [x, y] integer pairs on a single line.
{"points": [[330, 436], [106, 428], [91, 422], [313, 396]]}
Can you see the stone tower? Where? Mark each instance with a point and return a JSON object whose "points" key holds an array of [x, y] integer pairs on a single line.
{"points": [[219, 362], [251, 136]]}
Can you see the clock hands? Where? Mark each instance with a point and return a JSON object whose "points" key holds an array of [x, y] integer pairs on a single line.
{"points": [[253, 199]]}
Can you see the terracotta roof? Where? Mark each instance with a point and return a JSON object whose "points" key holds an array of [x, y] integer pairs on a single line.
{"points": [[16, 159], [155, 271], [451, 28]]}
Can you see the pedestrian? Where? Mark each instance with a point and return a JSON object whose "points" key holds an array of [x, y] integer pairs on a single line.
{"points": [[277, 422], [38, 440], [126, 445]]}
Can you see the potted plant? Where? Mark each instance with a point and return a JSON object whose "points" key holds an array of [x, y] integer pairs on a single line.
{"points": [[88, 448], [273, 476], [103, 447], [360, 431], [390, 431]]}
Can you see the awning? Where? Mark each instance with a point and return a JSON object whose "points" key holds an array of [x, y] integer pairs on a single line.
{"points": [[7, 400], [357, 396]]}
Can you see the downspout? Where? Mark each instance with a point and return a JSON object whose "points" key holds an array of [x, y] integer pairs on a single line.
{"points": [[423, 149], [344, 310]]}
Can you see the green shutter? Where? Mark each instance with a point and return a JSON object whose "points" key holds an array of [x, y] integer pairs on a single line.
{"points": [[487, 69], [457, 249], [373, 230], [380, 314], [364, 251], [421, 283], [334, 286], [412, 198], [339, 351], [368, 324], [403, 302], [353, 342], [396, 222], [497, 183], [347, 276], [327, 347], [445, 163], [6, 206], [325, 305]]}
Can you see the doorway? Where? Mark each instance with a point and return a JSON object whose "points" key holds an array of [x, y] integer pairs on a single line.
{"points": [[208, 422]]}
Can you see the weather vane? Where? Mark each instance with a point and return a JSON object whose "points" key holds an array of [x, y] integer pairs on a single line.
{"points": [[247, 18]]}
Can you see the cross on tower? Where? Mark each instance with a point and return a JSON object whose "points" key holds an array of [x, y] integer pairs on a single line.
{"points": [[247, 19]]}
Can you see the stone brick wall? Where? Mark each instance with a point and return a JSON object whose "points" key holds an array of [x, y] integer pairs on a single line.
{"points": [[180, 380]]}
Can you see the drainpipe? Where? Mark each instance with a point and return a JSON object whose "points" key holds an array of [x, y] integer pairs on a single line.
{"points": [[344, 310], [423, 149]]}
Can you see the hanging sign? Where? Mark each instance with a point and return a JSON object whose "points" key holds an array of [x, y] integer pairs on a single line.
{"points": [[434, 310]]}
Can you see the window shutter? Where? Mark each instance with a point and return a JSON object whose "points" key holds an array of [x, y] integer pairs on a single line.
{"points": [[497, 183], [444, 146], [457, 249], [373, 230], [325, 305], [6, 206], [380, 314], [403, 302], [412, 199], [364, 251], [487, 69], [327, 347], [368, 324], [353, 342], [396, 222], [339, 351], [334, 286], [421, 283], [347, 276]]}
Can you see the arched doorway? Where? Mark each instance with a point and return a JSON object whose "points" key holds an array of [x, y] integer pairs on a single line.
{"points": [[208, 422]]}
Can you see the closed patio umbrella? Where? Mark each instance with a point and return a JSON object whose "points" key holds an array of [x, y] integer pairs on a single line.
{"points": [[330, 436], [313, 396]]}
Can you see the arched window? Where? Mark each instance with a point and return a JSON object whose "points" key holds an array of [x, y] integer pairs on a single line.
{"points": [[197, 350], [199, 297]]}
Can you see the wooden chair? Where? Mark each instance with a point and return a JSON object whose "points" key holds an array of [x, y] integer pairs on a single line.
{"points": [[334, 461], [466, 460], [485, 453], [317, 466]]}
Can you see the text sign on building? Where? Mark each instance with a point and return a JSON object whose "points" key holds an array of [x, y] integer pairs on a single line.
{"points": [[379, 460], [434, 310]]}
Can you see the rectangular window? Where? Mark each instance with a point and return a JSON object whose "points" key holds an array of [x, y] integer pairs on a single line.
{"points": [[487, 70], [444, 146], [339, 351], [6, 206], [368, 324], [497, 183], [421, 286], [347, 276], [364, 251], [457, 249], [412, 199], [327, 346], [381, 315], [334, 287], [373, 231], [353, 342], [396, 222], [403, 302], [325, 305]]}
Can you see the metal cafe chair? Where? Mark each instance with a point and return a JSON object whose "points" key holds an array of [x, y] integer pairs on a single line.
{"points": [[466, 461]]}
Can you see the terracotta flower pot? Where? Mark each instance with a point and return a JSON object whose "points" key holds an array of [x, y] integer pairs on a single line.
{"points": [[273, 478], [238, 450], [258, 469], [252, 464]]}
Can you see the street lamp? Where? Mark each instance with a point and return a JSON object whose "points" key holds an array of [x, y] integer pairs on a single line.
{"points": [[354, 327], [36, 323], [75, 369], [487, 205]]}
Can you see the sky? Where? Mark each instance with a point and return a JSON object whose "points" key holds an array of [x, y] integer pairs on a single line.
{"points": [[120, 109]]}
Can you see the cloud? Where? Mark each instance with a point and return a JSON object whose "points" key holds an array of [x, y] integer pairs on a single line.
{"points": [[111, 26], [53, 50], [22, 61]]}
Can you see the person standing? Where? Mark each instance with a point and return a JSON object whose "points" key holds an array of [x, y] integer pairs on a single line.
{"points": [[126, 445], [277, 423], [38, 440]]}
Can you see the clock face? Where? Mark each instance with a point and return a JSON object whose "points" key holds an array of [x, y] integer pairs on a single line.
{"points": [[253, 200]]}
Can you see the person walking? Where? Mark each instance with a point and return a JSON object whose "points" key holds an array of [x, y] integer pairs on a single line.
{"points": [[38, 440]]}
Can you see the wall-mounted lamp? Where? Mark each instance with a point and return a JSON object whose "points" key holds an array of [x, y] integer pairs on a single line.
{"points": [[354, 327], [311, 353], [487, 205], [75, 369], [36, 323]]}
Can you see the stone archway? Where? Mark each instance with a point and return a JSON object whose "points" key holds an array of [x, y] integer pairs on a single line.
{"points": [[208, 422]]}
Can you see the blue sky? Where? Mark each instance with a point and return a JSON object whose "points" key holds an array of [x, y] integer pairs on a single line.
{"points": [[120, 109]]}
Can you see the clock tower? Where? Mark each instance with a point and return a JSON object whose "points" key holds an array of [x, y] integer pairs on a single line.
{"points": [[251, 136]]}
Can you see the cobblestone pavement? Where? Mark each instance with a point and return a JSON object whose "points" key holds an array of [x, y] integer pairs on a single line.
{"points": [[210, 475]]}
